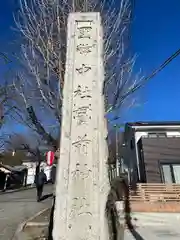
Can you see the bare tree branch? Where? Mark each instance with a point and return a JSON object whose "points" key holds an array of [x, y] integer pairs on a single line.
{"points": [[16, 142], [43, 27]]}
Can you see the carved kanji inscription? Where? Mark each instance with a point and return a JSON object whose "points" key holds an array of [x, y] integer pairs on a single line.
{"points": [[82, 92], [81, 145], [82, 171], [84, 48], [80, 205], [84, 29], [83, 69], [82, 114]]}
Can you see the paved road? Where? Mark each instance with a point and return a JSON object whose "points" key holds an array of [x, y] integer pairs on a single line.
{"points": [[17, 207], [154, 233], [155, 226]]}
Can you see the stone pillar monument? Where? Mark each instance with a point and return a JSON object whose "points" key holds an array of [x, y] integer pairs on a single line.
{"points": [[82, 175]]}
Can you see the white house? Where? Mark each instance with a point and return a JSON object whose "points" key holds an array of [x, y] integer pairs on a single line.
{"points": [[31, 166]]}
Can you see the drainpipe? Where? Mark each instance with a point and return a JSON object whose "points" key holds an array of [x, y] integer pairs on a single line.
{"points": [[137, 157], [5, 184], [25, 179], [122, 165]]}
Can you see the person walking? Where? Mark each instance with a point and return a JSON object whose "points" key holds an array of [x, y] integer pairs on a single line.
{"points": [[53, 174], [40, 181]]}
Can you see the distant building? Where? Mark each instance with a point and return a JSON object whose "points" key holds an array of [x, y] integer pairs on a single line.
{"points": [[152, 152], [115, 143], [12, 177], [31, 166]]}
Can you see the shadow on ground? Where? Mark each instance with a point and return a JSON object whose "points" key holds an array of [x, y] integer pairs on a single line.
{"points": [[120, 192], [46, 197], [51, 221], [128, 214]]}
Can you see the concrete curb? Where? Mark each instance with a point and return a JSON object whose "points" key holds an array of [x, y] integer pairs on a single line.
{"points": [[21, 189], [37, 224], [26, 223], [16, 190]]}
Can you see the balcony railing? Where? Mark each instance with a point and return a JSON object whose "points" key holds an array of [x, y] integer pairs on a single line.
{"points": [[152, 192]]}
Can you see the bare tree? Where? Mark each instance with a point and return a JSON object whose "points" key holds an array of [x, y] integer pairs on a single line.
{"points": [[26, 107], [43, 26], [2, 144], [31, 144]]}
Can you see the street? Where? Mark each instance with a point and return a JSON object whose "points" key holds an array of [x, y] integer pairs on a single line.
{"points": [[17, 207], [154, 232], [154, 226]]}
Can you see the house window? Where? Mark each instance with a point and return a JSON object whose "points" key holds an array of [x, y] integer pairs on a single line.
{"points": [[162, 135], [171, 173], [152, 135], [159, 135]]}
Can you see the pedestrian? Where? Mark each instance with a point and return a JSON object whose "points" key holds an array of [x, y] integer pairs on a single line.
{"points": [[53, 174], [40, 181]]}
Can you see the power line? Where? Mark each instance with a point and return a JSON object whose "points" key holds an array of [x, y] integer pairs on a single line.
{"points": [[154, 73], [162, 66], [144, 80]]}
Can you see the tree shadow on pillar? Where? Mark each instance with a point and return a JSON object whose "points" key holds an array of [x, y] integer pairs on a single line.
{"points": [[128, 219], [116, 194], [119, 192], [111, 215], [51, 221]]}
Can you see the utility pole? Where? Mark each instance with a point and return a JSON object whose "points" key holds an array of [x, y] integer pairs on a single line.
{"points": [[117, 154], [117, 126]]}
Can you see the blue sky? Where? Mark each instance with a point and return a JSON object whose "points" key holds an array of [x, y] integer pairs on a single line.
{"points": [[155, 36]]}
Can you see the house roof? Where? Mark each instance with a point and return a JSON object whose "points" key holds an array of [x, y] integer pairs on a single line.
{"points": [[5, 170], [8, 169], [19, 168], [156, 125]]}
